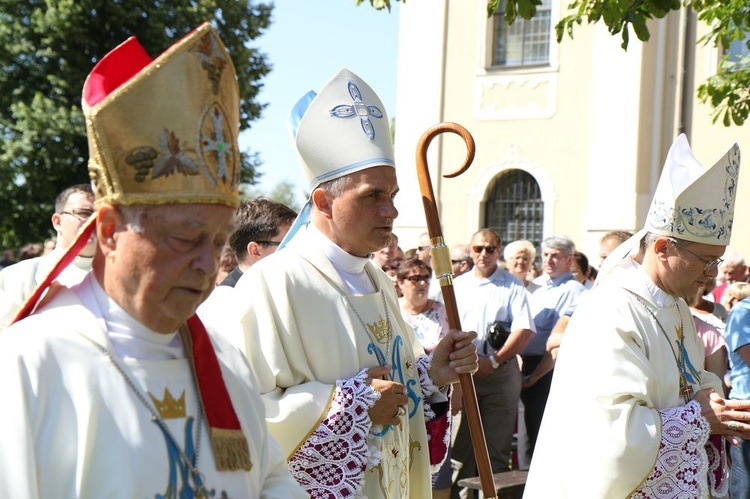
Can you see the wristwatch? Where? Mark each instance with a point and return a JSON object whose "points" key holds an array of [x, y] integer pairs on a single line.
{"points": [[494, 362]]}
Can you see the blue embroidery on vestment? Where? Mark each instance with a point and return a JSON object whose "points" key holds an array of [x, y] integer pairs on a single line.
{"points": [[691, 373], [397, 374], [179, 486], [358, 108]]}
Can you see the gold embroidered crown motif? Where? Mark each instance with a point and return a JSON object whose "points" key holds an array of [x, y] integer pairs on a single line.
{"points": [[379, 329], [169, 408]]}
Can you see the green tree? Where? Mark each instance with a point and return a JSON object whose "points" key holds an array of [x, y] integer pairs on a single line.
{"points": [[728, 91], [47, 47], [283, 192]]}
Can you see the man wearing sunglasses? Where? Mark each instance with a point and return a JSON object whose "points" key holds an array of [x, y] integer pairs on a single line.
{"points": [[631, 405], [73, 206], [487, 297]]}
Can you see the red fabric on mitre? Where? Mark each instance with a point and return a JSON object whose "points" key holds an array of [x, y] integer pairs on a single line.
{"points": [[118, 66]]}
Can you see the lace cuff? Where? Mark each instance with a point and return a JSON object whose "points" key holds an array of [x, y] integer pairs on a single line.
{"points": [[718, 471], [438, 426], [430, 392], [332, 462], [681, 465]]}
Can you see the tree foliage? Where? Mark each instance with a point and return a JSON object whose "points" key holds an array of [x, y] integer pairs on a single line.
{"points": [[728, 91], [283, 192], [47, 47]]}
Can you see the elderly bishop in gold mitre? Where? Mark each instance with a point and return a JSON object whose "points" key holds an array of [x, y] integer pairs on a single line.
{"points": [[116, 387]]}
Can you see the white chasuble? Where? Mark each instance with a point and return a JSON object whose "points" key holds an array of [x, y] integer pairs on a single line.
{"points": [[616, 423], [73, 426], [308, 346], [18, 281]]}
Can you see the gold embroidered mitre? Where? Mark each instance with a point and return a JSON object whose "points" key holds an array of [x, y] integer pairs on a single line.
{"points": [[164, 131]]}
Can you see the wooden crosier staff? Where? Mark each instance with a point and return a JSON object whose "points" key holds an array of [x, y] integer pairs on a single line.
{"points": [[441, 263]]}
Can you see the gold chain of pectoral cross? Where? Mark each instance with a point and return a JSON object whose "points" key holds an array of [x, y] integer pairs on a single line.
{"points": [[686, 390]]}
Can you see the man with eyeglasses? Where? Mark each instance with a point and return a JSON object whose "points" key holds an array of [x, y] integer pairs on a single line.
{"points": [[260, 226], [490, 297], [631, 403], [73, 206]]}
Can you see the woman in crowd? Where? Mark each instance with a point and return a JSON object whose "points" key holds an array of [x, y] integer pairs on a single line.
{"points": [[735, 292], [519, 259], [581, 270], [430, 324]]}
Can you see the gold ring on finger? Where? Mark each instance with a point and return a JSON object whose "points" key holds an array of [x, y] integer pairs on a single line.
{"points": [[401, 412]]}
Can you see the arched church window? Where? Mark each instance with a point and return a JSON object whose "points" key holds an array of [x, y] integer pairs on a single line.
{"points": [[514, 208]]}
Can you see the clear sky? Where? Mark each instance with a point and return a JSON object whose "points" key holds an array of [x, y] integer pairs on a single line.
{"points": [[307, 43]]}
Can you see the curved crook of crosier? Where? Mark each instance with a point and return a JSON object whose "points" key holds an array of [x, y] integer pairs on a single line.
{"points": [[424, 144]]}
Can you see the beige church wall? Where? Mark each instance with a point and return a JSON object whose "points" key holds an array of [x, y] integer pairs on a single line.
{"points": [[710, 141], [593, 128], [418, 104]]}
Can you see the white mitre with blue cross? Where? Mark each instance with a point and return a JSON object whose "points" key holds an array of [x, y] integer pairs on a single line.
{"points": [[340, 130], [692, 202]]}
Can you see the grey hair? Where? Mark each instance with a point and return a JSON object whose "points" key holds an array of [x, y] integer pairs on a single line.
{"points": [[336, 187], [560, 242], [734, 259], [133, 215]]}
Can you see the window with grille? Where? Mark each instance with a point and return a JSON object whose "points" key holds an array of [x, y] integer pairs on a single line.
{"points": [[515, 209], [525, 42]]}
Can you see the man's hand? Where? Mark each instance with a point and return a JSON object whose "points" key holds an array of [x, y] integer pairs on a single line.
{"points": [[730, 418], [454, 355], [392, 396], [485, 367]]}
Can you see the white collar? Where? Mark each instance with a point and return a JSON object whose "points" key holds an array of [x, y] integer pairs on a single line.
{"points": [[129, 337], [83, 262], [660, 297], [350, 268]]}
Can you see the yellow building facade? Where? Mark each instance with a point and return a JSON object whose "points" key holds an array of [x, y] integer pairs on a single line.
{"points": [[570, 138]]}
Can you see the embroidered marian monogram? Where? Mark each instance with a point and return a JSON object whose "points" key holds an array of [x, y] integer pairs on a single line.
{"points": [[358, 108]]}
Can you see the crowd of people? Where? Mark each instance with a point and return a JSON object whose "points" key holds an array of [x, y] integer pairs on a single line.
{"points": [[312, 356]]}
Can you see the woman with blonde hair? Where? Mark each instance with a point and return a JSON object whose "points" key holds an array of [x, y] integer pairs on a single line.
{"points": [[735, 292], [519, 259]]}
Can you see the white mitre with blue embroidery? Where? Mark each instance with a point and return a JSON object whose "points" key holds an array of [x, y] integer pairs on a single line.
{"points": [[691, 203], [341, 130], [694, 203]]}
